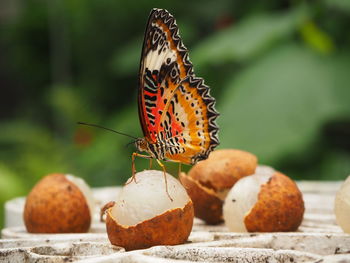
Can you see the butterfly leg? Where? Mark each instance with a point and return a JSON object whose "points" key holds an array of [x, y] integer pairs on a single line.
{"points": [[166, 181], [133, 168]]}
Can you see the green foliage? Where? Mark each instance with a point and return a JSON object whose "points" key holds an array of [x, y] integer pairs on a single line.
{"points": [[316, 38], [251, 37], [341, 5], [279, 72], [279, 111]]}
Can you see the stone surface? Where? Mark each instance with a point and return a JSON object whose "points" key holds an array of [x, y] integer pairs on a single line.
{"points": [[318, 239]]}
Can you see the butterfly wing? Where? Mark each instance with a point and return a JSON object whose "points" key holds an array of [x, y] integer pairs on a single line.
{"points": [[175, 107], [164, 62], [190, 122]]}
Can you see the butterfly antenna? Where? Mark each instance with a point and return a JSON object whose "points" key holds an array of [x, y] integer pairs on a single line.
{"points": [[132, 142], [104, 128]]}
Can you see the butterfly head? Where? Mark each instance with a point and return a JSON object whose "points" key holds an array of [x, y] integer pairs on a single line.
{"points": [[141, 144]]}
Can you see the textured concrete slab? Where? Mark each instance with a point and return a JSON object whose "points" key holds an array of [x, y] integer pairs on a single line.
{"points": [[318, 239]]}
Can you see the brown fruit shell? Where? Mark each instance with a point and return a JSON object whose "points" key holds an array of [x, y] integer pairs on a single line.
{"points": [[280, 206], [207, 205], [56, 205], [170, 228], [224, 168]]}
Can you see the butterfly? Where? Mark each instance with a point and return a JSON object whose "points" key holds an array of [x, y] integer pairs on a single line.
{"points": [[176, 110]]}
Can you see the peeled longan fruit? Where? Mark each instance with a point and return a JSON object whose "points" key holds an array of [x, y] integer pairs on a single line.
{"points": [[209, 181], [342, 206], [264, 202], [59, 203], [145, 216]]}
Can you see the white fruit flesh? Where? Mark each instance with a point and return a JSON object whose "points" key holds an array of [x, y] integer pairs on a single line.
{"points": [[148, 198], [342, 206]]}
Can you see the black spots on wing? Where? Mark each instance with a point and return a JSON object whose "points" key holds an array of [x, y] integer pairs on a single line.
{"points": [[148, 73], [150, 98], [157, 39], [233, 200], [182, 89], [192, 104], [162, 73], [174, 72], [176, 98], [149, 104], [199, 134], [160, 50], [197, 123], [166, 125], [150, 81], [149, 84], [160, 112], [168, 61], [155, 72], [172, 104], [168, 70], [165, 100], [150, 116], [168, 115], [161, 91], [183, 124]]}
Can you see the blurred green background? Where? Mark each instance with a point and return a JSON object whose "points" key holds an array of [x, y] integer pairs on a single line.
{"points": [[280, 71]]}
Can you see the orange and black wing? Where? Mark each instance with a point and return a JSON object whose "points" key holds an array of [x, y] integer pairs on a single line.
{"points": [[164, 62], [171, 100], [191, 132]]}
